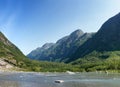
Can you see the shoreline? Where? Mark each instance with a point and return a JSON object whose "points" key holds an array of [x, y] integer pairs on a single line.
{"points": [[24, 71]]}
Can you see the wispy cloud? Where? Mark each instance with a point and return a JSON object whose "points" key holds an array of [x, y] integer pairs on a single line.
{"points": [[9, 16], [8, 25]]}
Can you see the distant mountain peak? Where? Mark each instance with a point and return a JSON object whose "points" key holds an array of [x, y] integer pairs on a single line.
{"points": [[77, 32], [74, 35], [47, 45], [40, 50]]}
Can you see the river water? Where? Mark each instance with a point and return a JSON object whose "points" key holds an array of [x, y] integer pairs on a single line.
{"points": [[48, 80]]}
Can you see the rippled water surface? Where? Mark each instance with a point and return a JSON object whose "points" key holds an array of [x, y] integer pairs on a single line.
{"points": [[48, 80]]}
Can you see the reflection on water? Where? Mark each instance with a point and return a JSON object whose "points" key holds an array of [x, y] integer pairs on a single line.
{"points": [[47, 80]]}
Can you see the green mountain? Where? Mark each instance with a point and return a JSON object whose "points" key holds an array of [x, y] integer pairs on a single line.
{"points": [[62, 49], [104, 44], [9, 53]]}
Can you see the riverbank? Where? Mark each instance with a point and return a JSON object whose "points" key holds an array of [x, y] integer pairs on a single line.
{"points": [[19, 70]]}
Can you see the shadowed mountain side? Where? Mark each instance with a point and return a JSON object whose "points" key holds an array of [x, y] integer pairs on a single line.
{"points": [[106, 39]]}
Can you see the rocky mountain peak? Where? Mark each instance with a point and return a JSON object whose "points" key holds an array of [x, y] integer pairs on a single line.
{"points": [[47, 45], [77, 33]]}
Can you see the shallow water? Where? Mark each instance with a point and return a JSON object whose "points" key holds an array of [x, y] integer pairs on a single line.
{"points": [[47, 80]]}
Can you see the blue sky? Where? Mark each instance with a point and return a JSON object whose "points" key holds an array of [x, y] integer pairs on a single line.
{"points": [[31, 23]]}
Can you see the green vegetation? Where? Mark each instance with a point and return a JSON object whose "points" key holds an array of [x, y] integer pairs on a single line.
{"points": [[95, 61], [38, 66], [100, 61], [9, 52]]}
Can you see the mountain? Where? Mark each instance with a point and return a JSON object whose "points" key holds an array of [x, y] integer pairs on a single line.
{"points": [[10, 55], [39, 50], [103, 43], [63, 48]]}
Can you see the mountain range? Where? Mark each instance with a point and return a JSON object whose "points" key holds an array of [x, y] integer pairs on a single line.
{"points": [[62, 49], [78, 45]]}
